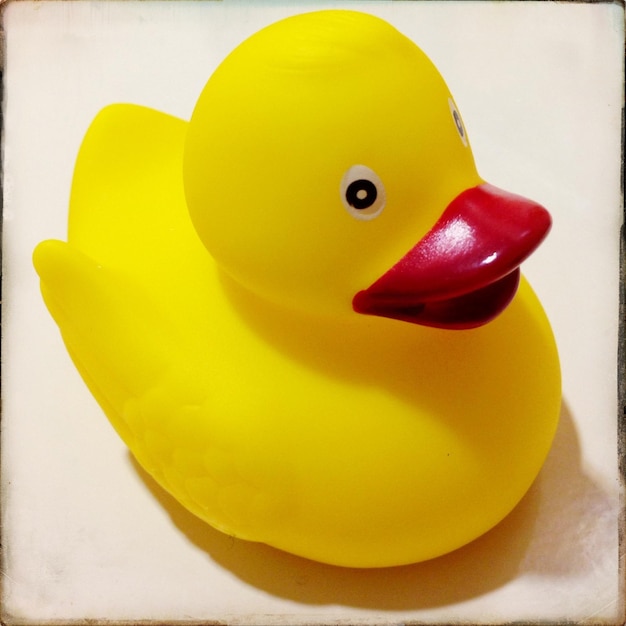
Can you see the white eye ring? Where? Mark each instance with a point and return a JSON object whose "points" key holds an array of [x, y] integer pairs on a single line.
{"points": [[362, 192], [458, 122]]}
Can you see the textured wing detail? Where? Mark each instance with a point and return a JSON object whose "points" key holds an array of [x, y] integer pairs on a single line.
{"points": [[118, 338], [143, 315], [152, 386]]}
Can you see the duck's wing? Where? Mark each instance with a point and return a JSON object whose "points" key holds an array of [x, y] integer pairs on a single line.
{"points": [[136, 298], [143, 372], [119, 339], [130, 289]]}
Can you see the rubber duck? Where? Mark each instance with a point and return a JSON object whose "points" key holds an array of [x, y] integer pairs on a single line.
{"points": [[302, 310]]}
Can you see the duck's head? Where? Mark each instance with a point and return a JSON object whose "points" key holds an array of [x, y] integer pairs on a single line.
{"points": [[327, 169]]}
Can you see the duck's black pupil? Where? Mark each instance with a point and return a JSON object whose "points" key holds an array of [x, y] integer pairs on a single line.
{"points": [[457, 121], [361, 194]]}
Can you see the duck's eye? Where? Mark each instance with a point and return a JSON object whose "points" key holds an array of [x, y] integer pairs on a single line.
{"points": [[362, 192], [458, 122]]}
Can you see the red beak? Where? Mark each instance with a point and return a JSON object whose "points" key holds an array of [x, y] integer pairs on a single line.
{"points": [[465, 271]]}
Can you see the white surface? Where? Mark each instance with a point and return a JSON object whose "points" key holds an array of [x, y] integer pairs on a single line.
{"points": [[87, 535]]}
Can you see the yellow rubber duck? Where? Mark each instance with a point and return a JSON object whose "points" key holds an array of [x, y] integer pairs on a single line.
{"points": [[301, 309]]}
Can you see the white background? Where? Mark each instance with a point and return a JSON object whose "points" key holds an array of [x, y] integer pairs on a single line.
{"points": [[87, 535]]}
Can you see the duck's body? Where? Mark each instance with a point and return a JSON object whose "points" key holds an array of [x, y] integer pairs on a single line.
{"points": [[352, 439]]}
